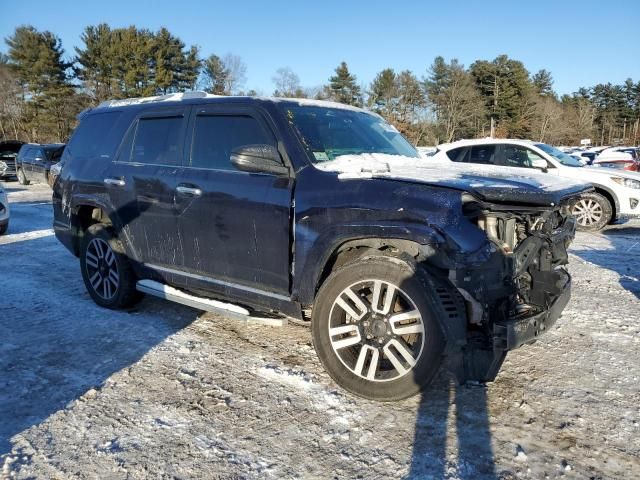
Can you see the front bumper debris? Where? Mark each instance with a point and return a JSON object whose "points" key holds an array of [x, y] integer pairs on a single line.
{"points": [[516, 332]]}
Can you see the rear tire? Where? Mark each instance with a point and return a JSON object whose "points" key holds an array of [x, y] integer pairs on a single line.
{"points": [[4, 228], [106, 270], [22, 179], [592, 211], [356, 349]]}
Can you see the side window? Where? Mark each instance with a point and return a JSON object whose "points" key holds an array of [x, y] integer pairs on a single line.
{"points": [[518, 156], [215, 136], [483, 154], [95, 136], [157, 141], [28, 154], [38, 153], [459, 154]]}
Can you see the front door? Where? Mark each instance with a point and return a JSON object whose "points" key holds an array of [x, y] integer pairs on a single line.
{"points": [[235, 225], [519, 158], [141, 184]]}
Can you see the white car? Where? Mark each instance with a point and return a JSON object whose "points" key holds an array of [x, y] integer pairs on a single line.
{"points": [[616, 195], [4, 210]]}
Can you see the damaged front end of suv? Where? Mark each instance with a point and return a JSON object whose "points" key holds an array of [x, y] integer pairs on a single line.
{"points": [[516, 288]]}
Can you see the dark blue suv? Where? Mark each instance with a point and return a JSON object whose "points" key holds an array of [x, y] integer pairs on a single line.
{"points": [[320, 212]]}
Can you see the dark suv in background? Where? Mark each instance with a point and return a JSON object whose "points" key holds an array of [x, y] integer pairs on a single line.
{"points": [[320, 212], [34, 161], [8, 152]]}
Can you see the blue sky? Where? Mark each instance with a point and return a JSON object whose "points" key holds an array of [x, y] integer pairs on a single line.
{"points": [[581, 42]]}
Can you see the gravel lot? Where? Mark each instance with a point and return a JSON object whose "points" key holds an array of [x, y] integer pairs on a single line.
{"points": [[165, 391]]}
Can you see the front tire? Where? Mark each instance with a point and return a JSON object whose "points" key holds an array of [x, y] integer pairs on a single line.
{"points": [[592, 211], [106, 270], [375, 329], [22, 179]]}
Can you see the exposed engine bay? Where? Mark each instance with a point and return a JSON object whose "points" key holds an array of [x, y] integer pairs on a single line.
{"points": [[521, 290]]}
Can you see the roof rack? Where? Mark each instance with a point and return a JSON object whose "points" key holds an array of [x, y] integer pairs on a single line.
{"points": [[171, 97]]}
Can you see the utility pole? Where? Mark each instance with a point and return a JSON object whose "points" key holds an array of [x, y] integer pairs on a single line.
{"points": [[495, 105]]}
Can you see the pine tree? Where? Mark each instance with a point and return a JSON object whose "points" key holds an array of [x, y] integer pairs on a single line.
{"points": [[215, 75], [505, 85], [383, 93], [543, 83], [344, 88], [37, 60], [95, 62], [455, 99]]}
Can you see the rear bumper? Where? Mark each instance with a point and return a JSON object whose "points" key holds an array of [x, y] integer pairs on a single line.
{"points": [[512, 334]]}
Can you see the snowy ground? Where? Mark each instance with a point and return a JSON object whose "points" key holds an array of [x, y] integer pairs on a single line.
{"points": [[166, 391]]}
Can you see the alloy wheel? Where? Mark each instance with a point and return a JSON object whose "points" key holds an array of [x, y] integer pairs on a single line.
{"points": [[102, 268], [376, 330], [588, 212]]}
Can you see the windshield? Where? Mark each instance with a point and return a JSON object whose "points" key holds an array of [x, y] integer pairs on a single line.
{"points": [[330, 132], [562, 157]]}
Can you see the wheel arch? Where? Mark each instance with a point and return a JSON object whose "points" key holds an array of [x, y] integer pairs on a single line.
{"points": [[85, 213], [346, 250], [611, 197]]}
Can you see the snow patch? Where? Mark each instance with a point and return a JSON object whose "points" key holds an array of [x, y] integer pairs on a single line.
{"points": [[20, 237], [291, 378]]}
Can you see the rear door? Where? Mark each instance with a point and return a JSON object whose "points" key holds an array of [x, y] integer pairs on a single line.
{"points": [[235, 225], [141, 184], [36, 173], [27, 161]]}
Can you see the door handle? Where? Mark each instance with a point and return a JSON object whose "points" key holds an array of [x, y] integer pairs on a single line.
{"points": [[118, 182], [190, 191]]}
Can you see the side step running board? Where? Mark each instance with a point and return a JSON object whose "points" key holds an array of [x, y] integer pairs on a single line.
{"points": [[166, 292]]}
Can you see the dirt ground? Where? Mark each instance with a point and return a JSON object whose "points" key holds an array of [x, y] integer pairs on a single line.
{"points": [[166, 391]]}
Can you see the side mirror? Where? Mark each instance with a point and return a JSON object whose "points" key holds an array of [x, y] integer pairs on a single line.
{"points": [[258, 159], [540, 163]]}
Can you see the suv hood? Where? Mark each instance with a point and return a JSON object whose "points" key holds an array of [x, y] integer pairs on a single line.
{"points": [[489, 183]]}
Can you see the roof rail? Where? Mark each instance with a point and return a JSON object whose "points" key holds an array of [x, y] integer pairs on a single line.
{"points": [[171, 97]]}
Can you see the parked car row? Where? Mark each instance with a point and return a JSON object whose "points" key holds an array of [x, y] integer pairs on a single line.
{"points": [[29, 162], [623, 158], [34, 162]]}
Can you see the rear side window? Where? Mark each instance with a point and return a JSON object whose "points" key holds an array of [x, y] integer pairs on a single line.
{"points": [[95, 137], [458, 154], [483, 154], [157, 141], [215, 136]]}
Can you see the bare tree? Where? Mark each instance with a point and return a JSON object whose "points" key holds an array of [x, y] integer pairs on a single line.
{"points": [[236, 73], [287, 83], [11, 104]]}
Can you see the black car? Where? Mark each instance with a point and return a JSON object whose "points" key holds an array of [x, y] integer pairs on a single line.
{"points": [[320, 212], [8, 152], [34, 161]]}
